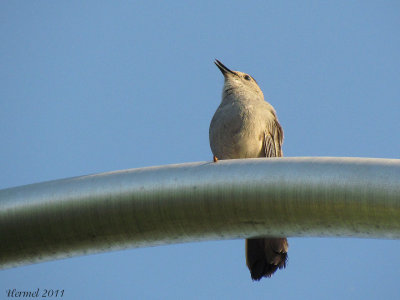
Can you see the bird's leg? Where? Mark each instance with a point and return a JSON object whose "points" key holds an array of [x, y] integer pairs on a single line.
{"points": [[215, 159]]}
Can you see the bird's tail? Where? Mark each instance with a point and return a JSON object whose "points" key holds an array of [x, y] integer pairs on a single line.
{"points": [[264, 256]]}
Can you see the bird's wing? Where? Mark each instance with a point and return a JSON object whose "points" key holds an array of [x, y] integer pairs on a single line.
{"points": [[273, 139]]}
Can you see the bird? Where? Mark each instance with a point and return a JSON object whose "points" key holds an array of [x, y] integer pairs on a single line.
{"points": [[246, 126]]}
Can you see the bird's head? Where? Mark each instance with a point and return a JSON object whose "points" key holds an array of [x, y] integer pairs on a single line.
{"points": [[238, 83]]}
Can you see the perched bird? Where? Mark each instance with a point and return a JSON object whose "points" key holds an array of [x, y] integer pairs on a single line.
{"points": [[246, 126]]}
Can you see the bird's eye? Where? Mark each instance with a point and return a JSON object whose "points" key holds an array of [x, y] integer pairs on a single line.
{"points": [[247, 77]]}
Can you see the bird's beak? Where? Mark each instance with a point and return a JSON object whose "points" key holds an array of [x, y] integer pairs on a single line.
{"points": [[224, 70]]}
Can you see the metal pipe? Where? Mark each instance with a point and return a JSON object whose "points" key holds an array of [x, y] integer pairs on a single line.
{"points": [[230, 199]]}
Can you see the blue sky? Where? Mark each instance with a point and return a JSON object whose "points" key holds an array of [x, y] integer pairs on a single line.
{"points": [[88, 87]]}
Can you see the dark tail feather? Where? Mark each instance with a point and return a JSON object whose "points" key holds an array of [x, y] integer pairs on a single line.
{"points": [[265, 256]]}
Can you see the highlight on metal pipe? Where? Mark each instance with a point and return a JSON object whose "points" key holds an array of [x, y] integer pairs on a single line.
{"points": [[230, 199]]}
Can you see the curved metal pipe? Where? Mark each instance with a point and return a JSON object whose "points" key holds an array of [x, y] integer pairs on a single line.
{"points": [[230, 199]]}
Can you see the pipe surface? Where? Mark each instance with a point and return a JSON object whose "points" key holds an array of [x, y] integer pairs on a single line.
{"points": [[231, 199]]}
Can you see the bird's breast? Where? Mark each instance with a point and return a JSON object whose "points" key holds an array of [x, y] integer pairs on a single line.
{"points": [[237, 130]]}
